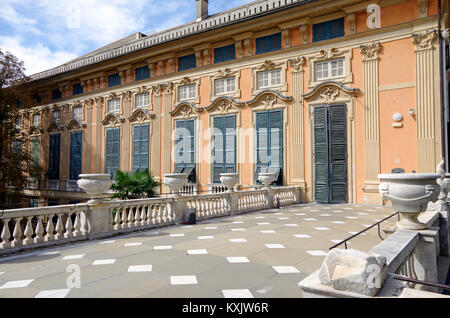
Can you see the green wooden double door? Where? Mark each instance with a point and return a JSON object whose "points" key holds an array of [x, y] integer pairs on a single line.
{"points": [[330, 154]]}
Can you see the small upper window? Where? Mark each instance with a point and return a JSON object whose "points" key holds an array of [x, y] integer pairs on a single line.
{"points": [[77, 112], [268, 79], [36, 119], [328, 30], [56, 94], [56, 116], [141, 73], [224, 86], [77, 89], [142, 100], [186, 62], [329, 69], [114, 80], [186, 92], [224, 53], [268, 43], [114, 105]]}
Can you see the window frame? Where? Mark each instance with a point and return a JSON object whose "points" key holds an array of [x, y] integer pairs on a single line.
{"points": [[329, 69]]}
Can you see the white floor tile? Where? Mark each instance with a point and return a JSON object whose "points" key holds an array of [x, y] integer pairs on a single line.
{"points": [[238, 259], [302, 236], [291, 225], [325, 214], [197, 252], [337, 211], [238, 217], [237, 293], [237, 230], [278, 213], [186, 227], [163, 247], [68, 257], [205, 237], [238, 240], [268, 232], [310, 219], [211, 228], [285, 269], [362, 213], [104, 262], [140, 268], [353, 233], [351, 217], [348, 208], [55, 293], [300, 214], [152, 233], [133, 244], [263, 223], [49, 253], [108, 242], [260, 217], [1, 273], [338, 222], [322, 228], [317, 253], [314, 210], [17, 284], [176, 235], [237, 222], [183, 280], [274, 246], [284, 218]]}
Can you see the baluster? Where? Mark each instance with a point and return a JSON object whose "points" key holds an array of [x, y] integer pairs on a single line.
{"points": [[130, 217], [148, 212], [117, 220], [59, 227], [153, 211], [17, 234], [5, 234], [137, 216], [124, 218], [50, 229], [143, 215], [159, 218], [28, 232], [39, 231], [69, 225], [164, 213], [84, 223], [77, 225]]}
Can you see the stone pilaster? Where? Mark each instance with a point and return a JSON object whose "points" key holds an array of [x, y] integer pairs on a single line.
{"points": [[304, 33], [156, 135], [248, 47], [286, 38], [371, 121], [87, 138], [65, 147], [98, 135], [298, 165], [125, 145], [167, 122], [425, 94]]}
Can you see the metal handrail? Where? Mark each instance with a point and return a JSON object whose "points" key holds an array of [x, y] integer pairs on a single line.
{"points": [[421, 282], [366, 229]]}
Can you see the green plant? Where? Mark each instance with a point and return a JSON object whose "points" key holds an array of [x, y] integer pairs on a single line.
{"points": [[132, 185]]}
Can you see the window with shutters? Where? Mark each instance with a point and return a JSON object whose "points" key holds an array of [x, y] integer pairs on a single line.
{"points": [[114, 105], [269, 143], [185, 148], [76, 139], [36, 119], [56, 116], [35, 151], [225, 86], [268, 43], [77, 112], [77, 89], [331, 69], [112, 151], [224, 53], [17, 147], [328, 30], [141, 73], [186, 92], [54, 157], [269, 79], [114, 80], [186, 62], [56, 94], [142, 100], [224, 146], [141, 142]]}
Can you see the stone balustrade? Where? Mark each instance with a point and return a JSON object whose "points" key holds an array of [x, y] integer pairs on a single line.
{"points": [[26, 229]]}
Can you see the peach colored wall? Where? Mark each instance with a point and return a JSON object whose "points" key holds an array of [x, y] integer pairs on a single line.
{"points": [[296, 38]]}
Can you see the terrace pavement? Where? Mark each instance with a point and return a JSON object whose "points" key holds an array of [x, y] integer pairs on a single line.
{"points": [[258, 254]]}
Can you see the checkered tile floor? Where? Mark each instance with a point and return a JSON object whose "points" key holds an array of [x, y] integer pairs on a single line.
{"points": [[260, 254]]}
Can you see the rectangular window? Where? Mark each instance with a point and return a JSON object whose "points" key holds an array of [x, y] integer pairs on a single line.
{"points": [[36, 119], [186, 62], [37, 99], [112, 152], [54, 156], [186, 92], [35, 151], [114, 105], [142, 100], [224, 86], [114, 80], [224, 146], [268, 43], [17, 147], [56, 94], [224, 53], [329, 69], [268, 79], [141, 73], [185, 147], [269, 143], [328, 30], [56, 116], [33, 203], [141, 142], [78, 112], [77, 89], [76, 139]]}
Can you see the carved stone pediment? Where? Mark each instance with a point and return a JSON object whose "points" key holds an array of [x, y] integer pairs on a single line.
{"points": [[54, 127], [224, 73], [224, 105], [112, 119], [143, 89], [328, 92], [185, 81], [328, 54], [297, 63], [76, 124], [185, 110], [268, 65], [141, 115], [35, 130], [269, 99]]}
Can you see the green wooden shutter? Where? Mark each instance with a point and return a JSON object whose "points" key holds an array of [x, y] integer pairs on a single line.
{"points": [[321, 154], [338, 154], [35, 151], [75, 154], [185, 148], [224, 146], [54, 157], [112, 151], [140, 147], [218, 149], [179, 145]]}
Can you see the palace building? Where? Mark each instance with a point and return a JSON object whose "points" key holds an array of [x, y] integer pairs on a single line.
{"points": [[327, 94]]}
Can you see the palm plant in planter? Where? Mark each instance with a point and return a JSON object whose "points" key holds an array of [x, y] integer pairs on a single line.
{"points": [[133, 185]]}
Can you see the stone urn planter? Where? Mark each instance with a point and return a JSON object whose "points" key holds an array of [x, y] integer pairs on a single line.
{"points": [[95, 186], [409, 194], [266, 178], [229, 180], [175, 182]]}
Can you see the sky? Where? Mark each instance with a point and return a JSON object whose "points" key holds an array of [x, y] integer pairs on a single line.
{"points": [[47, 33]]}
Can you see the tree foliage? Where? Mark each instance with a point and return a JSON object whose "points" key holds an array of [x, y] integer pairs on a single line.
{"points": [[132, 185], [14, 157]]}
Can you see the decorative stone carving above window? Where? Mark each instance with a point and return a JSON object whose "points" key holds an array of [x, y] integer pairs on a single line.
{"points": [[223, 74], [186, 110], [330, 92], [75, 124], [269, 99], [269, 65], [141, 116], [329, 55], [112, 119]]}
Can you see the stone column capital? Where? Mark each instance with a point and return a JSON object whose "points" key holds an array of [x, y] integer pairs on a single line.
{"points": [[424, 41], [370, 51]]}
